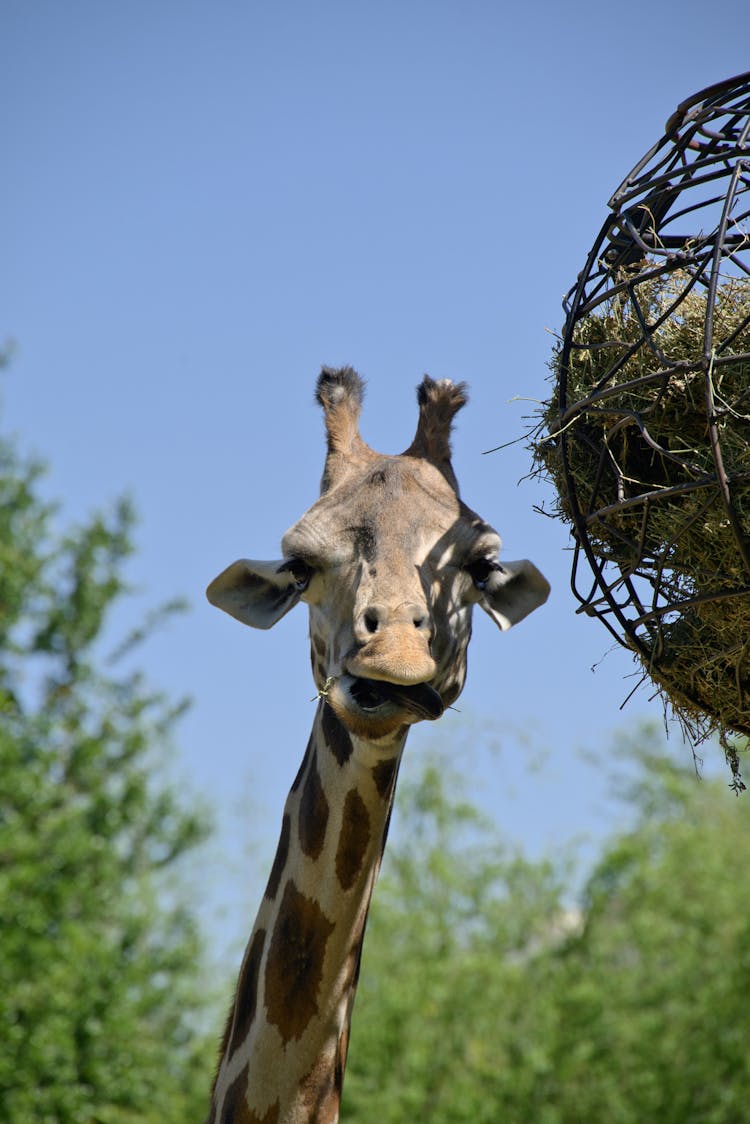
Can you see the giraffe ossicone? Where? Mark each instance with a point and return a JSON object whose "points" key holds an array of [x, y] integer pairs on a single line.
{"points": [[390, 563]]}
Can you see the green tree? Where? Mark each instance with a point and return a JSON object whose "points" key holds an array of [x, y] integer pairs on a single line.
{"points": [[654, 1004], [483, 999], [100, 1016]]}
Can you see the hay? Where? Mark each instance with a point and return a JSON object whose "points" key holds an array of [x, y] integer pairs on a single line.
{"points": [[652, 488]]}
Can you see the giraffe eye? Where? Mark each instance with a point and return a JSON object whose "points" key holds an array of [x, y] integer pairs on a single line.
{"points": [[301, 573], [481, 570]]}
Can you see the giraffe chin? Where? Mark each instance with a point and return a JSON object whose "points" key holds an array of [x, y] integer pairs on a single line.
{"points": [[376, 707]]}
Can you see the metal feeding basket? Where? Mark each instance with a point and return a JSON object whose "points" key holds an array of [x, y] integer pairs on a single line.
{"points": [[647, 434]]}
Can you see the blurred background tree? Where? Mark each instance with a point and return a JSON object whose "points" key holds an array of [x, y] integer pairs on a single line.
{"points": [[653, 1013], [486, 995], [101, 1005]]}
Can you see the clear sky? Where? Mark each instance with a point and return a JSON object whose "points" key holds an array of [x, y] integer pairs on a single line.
{"points": [[203, 203]]}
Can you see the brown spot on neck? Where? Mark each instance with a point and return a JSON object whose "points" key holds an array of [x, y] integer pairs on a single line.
{"points": [[236, 1110], [353, 840], [336, 737], [320, 1091], [279, 862], [310, 749], [384, 775], [313, 813], [342, 1054], [294, 967], [246, 997]]}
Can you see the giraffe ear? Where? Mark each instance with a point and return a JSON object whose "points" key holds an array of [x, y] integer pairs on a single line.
{"points": [[255, 593], [513, 591]]}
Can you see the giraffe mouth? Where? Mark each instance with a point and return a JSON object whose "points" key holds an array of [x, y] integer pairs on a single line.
{"points": [[418, 698]]}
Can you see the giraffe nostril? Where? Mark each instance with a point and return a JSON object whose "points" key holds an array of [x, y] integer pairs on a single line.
{"points": [[419, 622], [371, 621]]}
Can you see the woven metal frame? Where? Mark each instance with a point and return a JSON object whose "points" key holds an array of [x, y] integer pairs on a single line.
{"points": [[683, 211]]}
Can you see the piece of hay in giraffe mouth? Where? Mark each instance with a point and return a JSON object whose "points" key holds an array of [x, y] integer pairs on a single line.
{"points": [[417, 698]]}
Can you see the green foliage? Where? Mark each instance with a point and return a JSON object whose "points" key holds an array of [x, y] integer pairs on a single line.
{"points": [[99, 1008], [655, 1005], [483, 998]]}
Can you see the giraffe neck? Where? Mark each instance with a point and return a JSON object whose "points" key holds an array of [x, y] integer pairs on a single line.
{"points": [[286, 1039]]}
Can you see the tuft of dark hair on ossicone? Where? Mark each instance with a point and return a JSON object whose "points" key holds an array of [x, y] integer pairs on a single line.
{"points": [[340, 391], [337, 383], [439, 401]]}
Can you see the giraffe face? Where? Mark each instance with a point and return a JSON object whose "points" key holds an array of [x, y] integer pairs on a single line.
{"points": [[386, 558], [390, 563]]}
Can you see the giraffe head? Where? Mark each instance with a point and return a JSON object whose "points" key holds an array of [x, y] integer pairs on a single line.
{"points": [[391, 563]]}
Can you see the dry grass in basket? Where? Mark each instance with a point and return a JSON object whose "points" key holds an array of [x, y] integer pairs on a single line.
{"points": [[633, 416]]}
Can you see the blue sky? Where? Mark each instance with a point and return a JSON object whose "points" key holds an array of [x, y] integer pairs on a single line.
{"points": [[202, 203]]}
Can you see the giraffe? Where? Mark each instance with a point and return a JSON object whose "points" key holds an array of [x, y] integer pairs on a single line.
{"points": [[390, 563]]}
